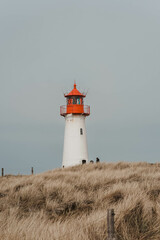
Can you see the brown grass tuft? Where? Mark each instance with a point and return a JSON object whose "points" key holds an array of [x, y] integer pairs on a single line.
{"points": [[71, 203]]}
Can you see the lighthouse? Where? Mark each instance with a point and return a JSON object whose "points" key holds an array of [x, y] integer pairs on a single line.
{"points": [[75, 150]]}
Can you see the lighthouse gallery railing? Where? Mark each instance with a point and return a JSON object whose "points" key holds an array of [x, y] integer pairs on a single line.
{"points": [[63, 110]]}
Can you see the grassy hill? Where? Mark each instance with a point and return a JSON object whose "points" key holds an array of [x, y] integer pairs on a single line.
{"points": [[71, 203]]}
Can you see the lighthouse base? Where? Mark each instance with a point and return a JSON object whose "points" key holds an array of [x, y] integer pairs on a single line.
{"points": [[75, 149]]}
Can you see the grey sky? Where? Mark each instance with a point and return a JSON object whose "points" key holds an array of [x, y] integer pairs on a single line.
{"points": [[111, 48]]}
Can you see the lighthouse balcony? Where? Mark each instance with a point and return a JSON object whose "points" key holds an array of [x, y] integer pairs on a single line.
{"points": [[74, 109]]}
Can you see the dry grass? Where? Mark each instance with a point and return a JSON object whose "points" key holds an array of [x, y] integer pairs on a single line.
{"points": [[71, 204]]}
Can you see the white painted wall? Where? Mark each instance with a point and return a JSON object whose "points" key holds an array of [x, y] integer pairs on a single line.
{"points": [[75, 145]]}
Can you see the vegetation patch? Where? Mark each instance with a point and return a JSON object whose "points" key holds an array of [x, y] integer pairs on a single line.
{"points": [[72, 203]]}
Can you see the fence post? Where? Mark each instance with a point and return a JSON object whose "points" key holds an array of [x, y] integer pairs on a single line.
{"points": [[32, 172], [2, 172], [110, 225]]}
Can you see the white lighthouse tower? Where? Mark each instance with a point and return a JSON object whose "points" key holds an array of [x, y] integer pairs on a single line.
{"points": [[75, 150]]}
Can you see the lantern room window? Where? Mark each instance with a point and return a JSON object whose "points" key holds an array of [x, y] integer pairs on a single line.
{"points": [[75, 100]]}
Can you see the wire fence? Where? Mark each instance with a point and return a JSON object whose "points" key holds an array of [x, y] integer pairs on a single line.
{"points": [[110, 224], [24, 170], [87, 225]]}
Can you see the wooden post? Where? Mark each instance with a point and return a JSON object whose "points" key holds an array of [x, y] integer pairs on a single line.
{"points": [[110, 224], [2, 172], [32, 172]]}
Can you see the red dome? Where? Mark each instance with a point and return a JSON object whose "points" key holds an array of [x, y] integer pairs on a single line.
{"points": [[75, 92]]}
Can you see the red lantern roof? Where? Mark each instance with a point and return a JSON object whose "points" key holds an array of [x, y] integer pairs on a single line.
{"points": [[74, 92]]}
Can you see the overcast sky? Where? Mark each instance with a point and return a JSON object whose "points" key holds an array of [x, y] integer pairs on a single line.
{"points": [[110, 47]]}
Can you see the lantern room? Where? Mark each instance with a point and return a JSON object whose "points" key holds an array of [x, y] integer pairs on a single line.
{"points": [[75, 103]]}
